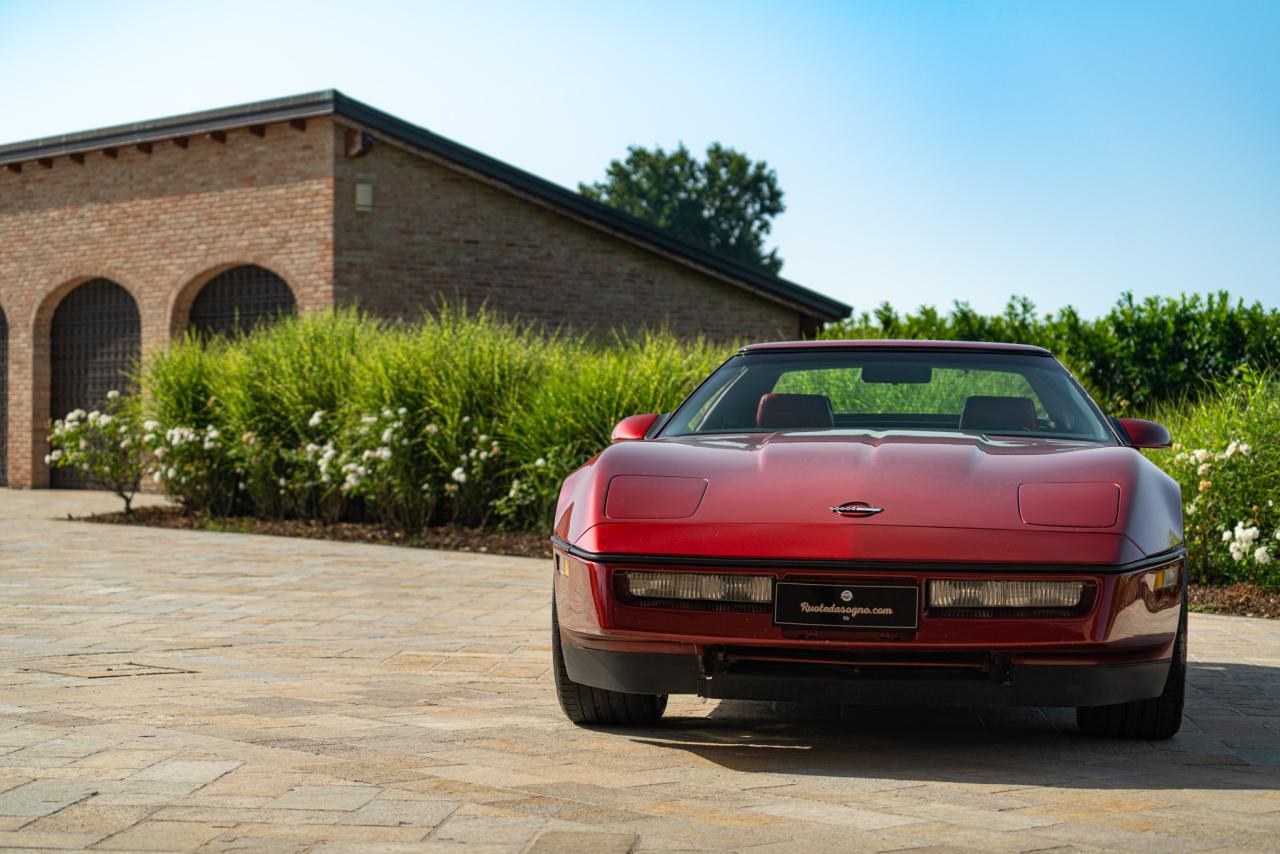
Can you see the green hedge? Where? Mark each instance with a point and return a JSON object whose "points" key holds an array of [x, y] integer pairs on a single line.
{"points": [[1136, 356], [462, 418]]}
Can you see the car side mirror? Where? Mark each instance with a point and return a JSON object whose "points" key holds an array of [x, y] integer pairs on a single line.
{"points": [[1145, 434], [633, 427]]}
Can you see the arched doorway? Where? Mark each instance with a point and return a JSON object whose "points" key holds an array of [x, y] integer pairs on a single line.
{"points": [[236, 300], [4, 399], [94, 341]]}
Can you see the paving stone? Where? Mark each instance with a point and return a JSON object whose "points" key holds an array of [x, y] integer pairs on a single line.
{"points": [[345, 798], [194, 772], [582, 842], [162, 836], [400, 813], [41, 797]]}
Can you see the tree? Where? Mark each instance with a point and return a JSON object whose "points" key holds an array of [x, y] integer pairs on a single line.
{"points": [[725, 204]]}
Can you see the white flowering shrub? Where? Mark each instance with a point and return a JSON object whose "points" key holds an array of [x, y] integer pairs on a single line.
{"points": [[466, 492], [194, 465], [1227, 460], [535, 485], [103, 446], [381, 462]]}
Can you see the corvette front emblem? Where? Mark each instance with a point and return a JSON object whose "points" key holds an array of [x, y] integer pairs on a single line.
{"points": [[856, 509]]}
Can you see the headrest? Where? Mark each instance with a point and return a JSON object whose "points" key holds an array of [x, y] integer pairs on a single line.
{"points": [[811, 411], [998, 413]]}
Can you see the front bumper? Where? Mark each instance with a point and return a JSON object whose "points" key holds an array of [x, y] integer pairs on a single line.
{"points": [[1116, 650], [1004, 683]]}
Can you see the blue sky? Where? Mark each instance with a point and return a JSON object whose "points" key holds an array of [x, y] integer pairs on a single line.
{"points": [[930, 151]]}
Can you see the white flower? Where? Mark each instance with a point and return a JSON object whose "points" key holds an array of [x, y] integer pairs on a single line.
{"points": [[451, 488], [151, 426], [369, 419], [161, 451], [315, 419], [1245, 449], [125, 443], [483, 438], [387, 436], [1226, 536], [1261, 556], [1200, 455], [466, 419], [402, 411], [384, 453], [1203, 470], [459, 475], [432, 429], [283, 482], [540, 462], [113, 394], [171, 473]]}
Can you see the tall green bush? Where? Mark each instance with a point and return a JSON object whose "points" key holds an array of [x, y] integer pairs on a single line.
{"points": [[461, 417], [1227, 461]]}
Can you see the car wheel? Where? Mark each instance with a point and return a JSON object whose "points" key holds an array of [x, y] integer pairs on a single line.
{"points": [[583, 704], [1156, 718]]}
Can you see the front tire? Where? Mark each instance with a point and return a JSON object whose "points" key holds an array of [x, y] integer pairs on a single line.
{"points": [[586, 705], [1157, 718]]}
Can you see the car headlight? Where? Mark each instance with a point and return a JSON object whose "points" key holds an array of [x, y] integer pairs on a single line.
{"points": [[999, 593], [754, 589]]}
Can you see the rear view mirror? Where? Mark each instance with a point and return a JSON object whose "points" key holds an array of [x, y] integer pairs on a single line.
{"points": [[633, 427], [1145, 434], [897, 372]]}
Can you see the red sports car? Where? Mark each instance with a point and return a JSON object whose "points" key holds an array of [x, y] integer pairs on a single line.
{"points": [[876, 522]]}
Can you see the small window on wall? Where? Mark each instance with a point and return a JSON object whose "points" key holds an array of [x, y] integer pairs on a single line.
{"points": [[236, 300]]}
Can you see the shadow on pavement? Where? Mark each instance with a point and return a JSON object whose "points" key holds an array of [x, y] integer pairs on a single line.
{"points": [[1231, 709]]}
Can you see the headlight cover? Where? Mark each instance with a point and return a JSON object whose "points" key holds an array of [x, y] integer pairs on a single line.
{"points": [[699, 587], [963, 593]]}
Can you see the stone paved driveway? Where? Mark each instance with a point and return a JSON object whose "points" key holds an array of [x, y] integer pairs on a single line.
{"points": [[163, 690]]}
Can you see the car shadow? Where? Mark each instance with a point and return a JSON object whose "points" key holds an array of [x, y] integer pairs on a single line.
{"points": [[1232, 715]]}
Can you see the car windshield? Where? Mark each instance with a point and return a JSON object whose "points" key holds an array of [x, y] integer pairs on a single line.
{"points": [[955, 391]]}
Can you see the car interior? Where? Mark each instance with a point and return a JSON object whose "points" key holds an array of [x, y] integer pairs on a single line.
{"points": [[892, 395]]}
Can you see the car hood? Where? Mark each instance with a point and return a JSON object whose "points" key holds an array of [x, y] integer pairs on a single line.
{"points": [[772, 494]]}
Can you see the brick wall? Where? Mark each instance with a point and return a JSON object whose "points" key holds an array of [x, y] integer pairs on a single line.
{"points": [[160, 225], [436, 232]]}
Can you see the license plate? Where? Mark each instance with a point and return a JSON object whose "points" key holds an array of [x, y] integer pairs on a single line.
{"points": [[846, 605]]}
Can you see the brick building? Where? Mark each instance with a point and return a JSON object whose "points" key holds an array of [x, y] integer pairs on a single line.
{"points": [[114, 241]]}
